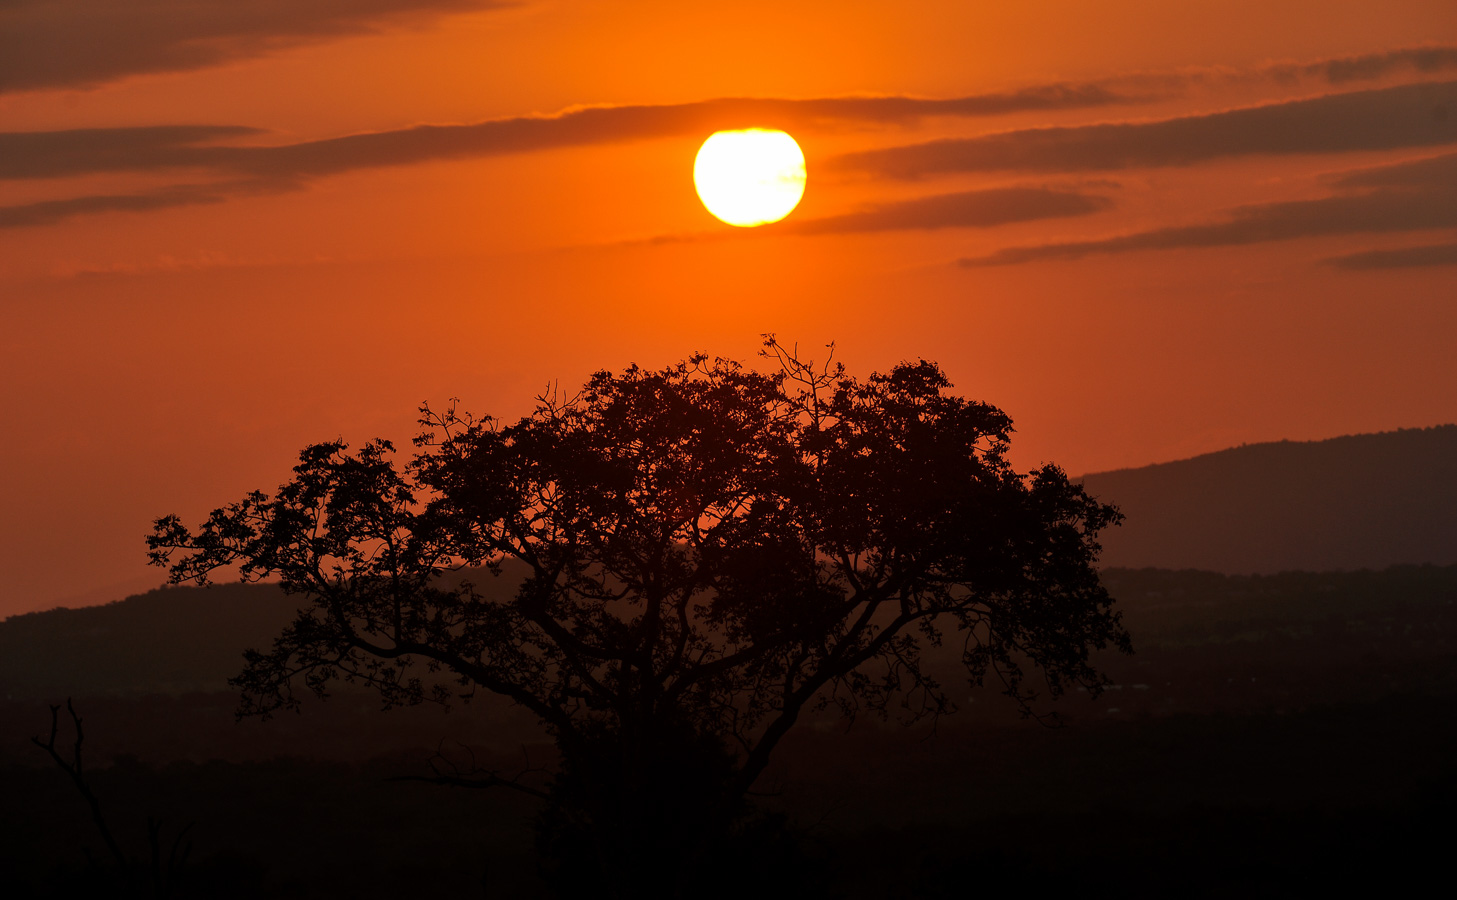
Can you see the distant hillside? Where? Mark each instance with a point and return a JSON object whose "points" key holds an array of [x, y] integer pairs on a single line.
{"points": [[167, 641], [1364, 501]]}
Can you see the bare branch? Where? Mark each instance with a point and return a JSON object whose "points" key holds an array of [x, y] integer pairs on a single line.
{"points": [[75, 771]]}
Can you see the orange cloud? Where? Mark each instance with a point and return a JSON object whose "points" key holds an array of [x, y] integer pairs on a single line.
{"points": [[1412, 196], [86, 43], [1410, 115]]}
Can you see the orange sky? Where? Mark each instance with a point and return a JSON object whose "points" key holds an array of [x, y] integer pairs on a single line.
{"points": [[1145, 229]]}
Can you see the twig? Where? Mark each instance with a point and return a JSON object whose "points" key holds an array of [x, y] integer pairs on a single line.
{"points": [[475, 778]]}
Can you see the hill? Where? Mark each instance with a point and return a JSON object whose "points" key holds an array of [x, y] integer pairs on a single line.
{"points": [[171, 640], [1364, 501]]}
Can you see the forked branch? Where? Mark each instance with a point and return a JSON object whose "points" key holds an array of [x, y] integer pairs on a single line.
{"points": [[163, 870], [73, 769]]}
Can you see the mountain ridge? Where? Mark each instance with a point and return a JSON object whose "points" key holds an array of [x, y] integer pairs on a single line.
{"points": [[1363, 501], [1442, 427]]}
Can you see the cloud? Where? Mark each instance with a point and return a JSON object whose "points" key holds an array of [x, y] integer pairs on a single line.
{"points": [[79, 151], [1405, 116], [1408, 115], [599, 125], [86, 151], [1436, 172], [1411, 196], [48, 44], [48, 212], [209, 149], [1401, 258], [971, 209], [1370, 66], [1411, 115], [85, 43]]}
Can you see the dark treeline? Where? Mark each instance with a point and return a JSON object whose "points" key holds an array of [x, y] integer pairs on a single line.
{"points": [[1271, 734], [181, 642]]}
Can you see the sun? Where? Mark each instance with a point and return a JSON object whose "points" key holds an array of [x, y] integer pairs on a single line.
{"points": [[750, 177]]}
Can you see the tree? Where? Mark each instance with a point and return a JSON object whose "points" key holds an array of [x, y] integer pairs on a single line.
{"points": [[708, 553]]}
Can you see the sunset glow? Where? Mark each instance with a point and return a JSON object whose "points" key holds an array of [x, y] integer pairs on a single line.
{"points": [[1146, 230], [482, 384], [749, 177]]}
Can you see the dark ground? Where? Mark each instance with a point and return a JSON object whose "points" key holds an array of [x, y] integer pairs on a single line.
{"points": [[1277, 736]]}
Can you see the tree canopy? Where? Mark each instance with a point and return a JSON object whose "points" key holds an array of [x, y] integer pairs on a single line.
{"points": [[704, 553]]}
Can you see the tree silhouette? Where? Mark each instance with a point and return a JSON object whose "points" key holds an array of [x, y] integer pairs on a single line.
{"points": [[708, 551]]}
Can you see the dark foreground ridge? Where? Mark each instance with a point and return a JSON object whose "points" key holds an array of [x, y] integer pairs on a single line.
{"points": [[1364, 501], [1273, 735]]}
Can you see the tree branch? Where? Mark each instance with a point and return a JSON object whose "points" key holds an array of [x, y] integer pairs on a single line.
{"points": [[73, 769]]}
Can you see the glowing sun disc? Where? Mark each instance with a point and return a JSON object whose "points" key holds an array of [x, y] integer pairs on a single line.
{"points": [[749, 177]]}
